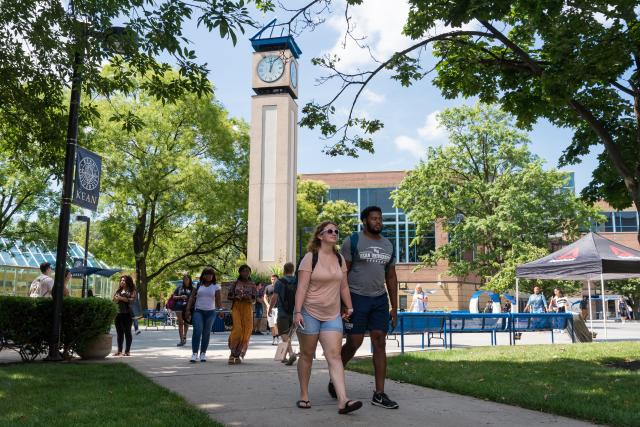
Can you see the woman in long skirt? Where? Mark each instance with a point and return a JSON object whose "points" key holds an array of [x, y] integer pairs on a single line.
{"points": [[243, 294]]}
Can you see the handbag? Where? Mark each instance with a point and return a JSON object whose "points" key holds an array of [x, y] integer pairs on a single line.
{"points": [[135, 308], [171, 302], [281, 350]]}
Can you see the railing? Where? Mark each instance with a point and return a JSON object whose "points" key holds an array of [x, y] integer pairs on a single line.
{"points": [[446, 324]]}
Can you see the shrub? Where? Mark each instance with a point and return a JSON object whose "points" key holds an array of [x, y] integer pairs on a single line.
{"points": [[26, 323]]}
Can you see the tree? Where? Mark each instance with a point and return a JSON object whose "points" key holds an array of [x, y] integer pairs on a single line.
{"points": [[24, 194], [38, 40], [497, 204], [314, 207], [176, 188], [576, 64]]}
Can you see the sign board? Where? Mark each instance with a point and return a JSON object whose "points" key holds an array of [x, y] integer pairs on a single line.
{"points": [[86, 188]]}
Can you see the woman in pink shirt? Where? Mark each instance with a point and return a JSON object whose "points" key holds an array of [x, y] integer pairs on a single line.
{"points": [[322, 283]]}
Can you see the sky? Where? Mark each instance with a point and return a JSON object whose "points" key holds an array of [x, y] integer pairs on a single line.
{"points": [[409, 114]]}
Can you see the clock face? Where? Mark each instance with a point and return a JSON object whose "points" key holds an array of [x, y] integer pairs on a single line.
{"points": [[293, 72], [270, 68]]}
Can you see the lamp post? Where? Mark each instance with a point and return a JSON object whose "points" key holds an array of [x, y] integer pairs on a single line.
{"points": [[67, 185], [87, 220]]}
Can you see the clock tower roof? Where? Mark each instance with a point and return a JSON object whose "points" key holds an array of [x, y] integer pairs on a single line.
{"points": [[264, 40]]}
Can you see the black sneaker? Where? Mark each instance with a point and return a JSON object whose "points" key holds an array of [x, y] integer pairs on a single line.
{"points": [[332, 390], [382, 400]]}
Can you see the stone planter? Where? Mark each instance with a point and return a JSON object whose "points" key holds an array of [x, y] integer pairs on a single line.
{"points": [[98, 348]]}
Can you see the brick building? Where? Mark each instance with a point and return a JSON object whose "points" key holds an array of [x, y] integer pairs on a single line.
{"points": [[452, 293]]}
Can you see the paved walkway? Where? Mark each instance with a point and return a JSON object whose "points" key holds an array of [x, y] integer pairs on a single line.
{"points": [[261, 392]]}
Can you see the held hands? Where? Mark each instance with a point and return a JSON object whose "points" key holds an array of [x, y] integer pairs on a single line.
{"points": [[346, 313]]}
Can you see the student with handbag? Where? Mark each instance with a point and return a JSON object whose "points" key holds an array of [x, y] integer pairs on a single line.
{"points": [[322, 284], [243, 293], [180, 300], [204, 301], [125, 296]]}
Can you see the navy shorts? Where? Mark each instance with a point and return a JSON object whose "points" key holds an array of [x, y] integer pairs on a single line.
{"points": [[369, 314], [259, 310]]}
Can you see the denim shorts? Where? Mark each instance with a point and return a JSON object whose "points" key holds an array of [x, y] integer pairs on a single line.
{"points": [[313, 326]]}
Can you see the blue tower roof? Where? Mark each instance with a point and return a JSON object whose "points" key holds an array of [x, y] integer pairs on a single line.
{"points": [[264, 40]]}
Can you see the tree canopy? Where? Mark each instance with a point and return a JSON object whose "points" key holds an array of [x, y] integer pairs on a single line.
{"points": [[576, 64], [175, 189], [498, 205], [314, 206], [38, 41]]}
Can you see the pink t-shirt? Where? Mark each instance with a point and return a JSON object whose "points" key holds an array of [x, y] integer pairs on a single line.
{"points": [[322, 300]]}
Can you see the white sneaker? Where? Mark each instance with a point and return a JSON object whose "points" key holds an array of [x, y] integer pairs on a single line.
{"points": [[203, 357], [194, 358]]}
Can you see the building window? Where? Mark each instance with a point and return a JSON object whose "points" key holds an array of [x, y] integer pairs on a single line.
{"points": [[380, 197], [606, 226], [403, 303], [348, 195], [425, 245], [626, 222]]}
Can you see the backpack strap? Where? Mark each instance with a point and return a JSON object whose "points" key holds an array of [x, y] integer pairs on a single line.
{"points": [[314, 260], [353, 242]]}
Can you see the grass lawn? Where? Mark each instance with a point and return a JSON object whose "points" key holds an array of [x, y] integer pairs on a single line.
{"points": [[113, 394], [569, 380]]}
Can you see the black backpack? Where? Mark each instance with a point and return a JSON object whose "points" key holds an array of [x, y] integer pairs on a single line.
{"points": [[291, 286]]}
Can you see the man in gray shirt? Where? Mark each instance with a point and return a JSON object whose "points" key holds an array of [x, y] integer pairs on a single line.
{"points": [[373, 283]]}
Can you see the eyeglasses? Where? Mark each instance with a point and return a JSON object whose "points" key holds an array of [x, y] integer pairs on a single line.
{"points": [[331, 231]]}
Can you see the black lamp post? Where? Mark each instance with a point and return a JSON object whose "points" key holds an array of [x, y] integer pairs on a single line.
{"points": [[87, 220], [67, 185]]}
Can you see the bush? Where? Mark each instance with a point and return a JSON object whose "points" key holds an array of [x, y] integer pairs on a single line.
{"points": [[26, 323]]}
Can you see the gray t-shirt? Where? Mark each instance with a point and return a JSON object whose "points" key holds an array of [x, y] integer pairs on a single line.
{"points": [[367, 273]]}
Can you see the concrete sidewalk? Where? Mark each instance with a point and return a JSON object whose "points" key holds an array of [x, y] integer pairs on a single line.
{"points": [[262, 392]]}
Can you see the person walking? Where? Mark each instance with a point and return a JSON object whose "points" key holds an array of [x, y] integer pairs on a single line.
{"points": [[558, 302], [42, 286], [205, 299], [373, 283], [272, 319], [584, 307], [125, 294], [259, 309], [623, 309], [284, 298], [242, 293], [419, 304], [322, 284], [182, 294], [537, 302]]}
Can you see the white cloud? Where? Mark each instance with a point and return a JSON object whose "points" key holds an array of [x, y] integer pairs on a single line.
{"points": [[410, 145], [381, 21], [372, 97], [432, 132]]}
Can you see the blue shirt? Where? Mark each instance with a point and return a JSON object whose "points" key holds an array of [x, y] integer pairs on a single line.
{"points": [[537, 303]]}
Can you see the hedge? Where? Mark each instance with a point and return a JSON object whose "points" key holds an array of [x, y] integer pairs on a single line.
{"points": [[25, 323]]}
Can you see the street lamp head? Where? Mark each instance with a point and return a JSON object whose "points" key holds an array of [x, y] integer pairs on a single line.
{"points": [[83, 218]]}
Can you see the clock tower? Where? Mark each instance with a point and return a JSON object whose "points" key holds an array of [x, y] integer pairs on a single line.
{"points": [[273, 149]]}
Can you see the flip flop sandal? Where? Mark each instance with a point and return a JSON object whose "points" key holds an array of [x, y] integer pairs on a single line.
{"points": [[351, 405], [305, 404]]}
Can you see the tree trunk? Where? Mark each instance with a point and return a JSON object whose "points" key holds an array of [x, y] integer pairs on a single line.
{"points": [[141, 281]]}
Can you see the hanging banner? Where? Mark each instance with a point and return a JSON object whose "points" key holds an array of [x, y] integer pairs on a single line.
{"points": [[86, 188]]}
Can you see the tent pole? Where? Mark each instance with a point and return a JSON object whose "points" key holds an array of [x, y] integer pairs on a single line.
{"points": [[604, 306], [517, 310], [590, 309]]}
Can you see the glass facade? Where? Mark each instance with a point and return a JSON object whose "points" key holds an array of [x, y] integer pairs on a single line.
{"points": [[617, 222], [20, 265], [396, 227]]}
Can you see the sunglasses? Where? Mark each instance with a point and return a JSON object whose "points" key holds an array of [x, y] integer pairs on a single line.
{"points": [[331, 231]]}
